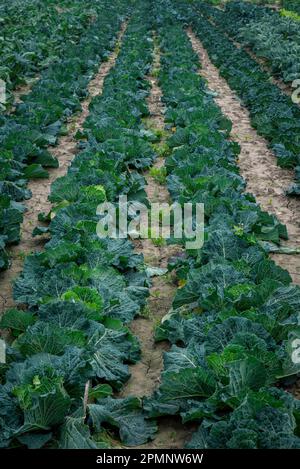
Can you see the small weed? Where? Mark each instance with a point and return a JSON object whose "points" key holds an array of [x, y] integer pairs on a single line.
{"points": [[71, 126], [155, 73], [149, 124], [290, 14], [146, 312], [239, 229], [156, 294], [162, 149], [21, 255], [159, 133], [158, 242], [159, 174], [169, 278], [156, 324]]}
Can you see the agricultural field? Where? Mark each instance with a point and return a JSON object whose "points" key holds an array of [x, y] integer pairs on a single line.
{"points": [[149, 228]]}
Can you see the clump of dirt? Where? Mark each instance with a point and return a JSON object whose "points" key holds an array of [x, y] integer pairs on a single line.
{"points": [[40, 188], [257, 163]]}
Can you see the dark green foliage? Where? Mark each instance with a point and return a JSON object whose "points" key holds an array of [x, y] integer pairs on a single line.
{"points": [[72, 52], [236, 311], [81, 290]]}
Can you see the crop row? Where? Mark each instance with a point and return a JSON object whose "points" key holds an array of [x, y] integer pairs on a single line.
{"points": [[235, 311], [271, 36], [81, 290], [41, 117], [273, 114]]}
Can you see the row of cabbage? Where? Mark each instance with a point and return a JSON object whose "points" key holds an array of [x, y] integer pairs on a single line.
{"points": [[291, 5], [269, 35], [37, 122], [81, 290], [235, 312], [273, 114], [36, 33]]}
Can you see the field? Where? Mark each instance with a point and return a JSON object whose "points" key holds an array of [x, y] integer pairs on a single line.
{"points": [[149, 228]]}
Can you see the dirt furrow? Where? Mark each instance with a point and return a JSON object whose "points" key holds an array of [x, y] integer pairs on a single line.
{"points": [[257, 163], [40, 188], [145, 375]]}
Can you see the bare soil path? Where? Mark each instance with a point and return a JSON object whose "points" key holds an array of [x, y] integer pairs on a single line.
{"points": [[257, 163], [145, 375], [40, 188]]}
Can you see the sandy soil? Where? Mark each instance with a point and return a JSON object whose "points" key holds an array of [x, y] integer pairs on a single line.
{"points": [[145, 375], [40, 188], [257, 163]]}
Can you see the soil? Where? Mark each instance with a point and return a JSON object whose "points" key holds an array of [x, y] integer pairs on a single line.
{"points": [[256, 161], [145, 375], [40, 188], [285, 87]]}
